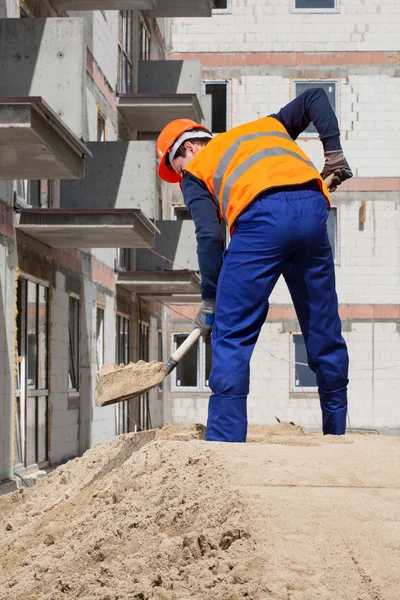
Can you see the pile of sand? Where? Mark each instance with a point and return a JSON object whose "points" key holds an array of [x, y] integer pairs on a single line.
{"points": [[164, 515]]}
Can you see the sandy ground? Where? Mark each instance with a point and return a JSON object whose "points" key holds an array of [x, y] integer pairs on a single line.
{"points": [[164, 515]]}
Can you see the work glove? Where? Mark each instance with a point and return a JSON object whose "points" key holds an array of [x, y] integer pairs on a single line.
{"points": [[204, 319], [336, 163]]}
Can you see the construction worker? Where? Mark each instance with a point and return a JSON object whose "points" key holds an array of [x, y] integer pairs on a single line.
{"points": [[275, 203]]}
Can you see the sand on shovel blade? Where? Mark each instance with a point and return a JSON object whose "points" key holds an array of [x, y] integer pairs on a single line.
{"points": [[117, 383]]}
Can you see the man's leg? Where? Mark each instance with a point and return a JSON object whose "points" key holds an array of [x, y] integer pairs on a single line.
{"points": [[251, 268], [310, 277]]}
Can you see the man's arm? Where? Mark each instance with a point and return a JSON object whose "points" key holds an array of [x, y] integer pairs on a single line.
{"points": [[311, 106], [210, 244]]}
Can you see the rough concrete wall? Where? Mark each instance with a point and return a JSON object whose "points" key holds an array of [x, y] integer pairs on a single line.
{"points": [[256, 25], [101, 40], [64, 436], [8, 8], [7, 316]]}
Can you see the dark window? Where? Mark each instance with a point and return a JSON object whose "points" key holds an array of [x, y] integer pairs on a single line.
{"points": [[220, 4], [124, 259], [145, 39], [218, 91], [194, 369], [181, 213], [323, 4], [99, 337], [122, 357], [39, 195], [31, 415], [125, 52], [208, 361], [73, 342], [303, 376], [328, 86], [186, 371], [101, 127]]}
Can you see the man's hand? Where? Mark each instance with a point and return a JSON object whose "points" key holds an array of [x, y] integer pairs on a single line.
{"points": [[336, 164], [204, 319]]}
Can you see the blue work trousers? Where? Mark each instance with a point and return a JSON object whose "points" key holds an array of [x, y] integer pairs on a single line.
{"points": [[281, 233]]}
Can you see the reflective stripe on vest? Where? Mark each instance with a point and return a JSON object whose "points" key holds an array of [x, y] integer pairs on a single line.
{"points": [[230, 153], [242, 168]]}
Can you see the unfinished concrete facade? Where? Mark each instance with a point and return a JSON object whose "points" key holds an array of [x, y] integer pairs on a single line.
{"points": [[257, 56], [64, 239]]}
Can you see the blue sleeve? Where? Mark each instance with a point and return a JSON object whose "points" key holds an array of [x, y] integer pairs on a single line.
{"points": [[311, 106], [210, 244]]}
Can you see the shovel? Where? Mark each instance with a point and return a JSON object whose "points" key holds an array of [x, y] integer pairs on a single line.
{"points": [[116, 384]]}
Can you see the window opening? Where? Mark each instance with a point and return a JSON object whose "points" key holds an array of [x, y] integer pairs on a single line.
{"points": [[330, 88], [193, 371], [181, 213], [218, 90], [122, 357], [303, 378], [315, 5], [222, 6], [101, 126], [99, 337], [31, 415], [125, 58], [123, 259], [145, 38], [73, 334]]}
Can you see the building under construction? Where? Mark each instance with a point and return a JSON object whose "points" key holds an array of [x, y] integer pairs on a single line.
{"points": [[98, 257]]}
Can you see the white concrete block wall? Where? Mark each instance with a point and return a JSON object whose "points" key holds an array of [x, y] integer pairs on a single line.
{"points": [[368, 271], [64, 430], [188, 409], [369, 259], [373, 391], [272, 27], [366, 112]]}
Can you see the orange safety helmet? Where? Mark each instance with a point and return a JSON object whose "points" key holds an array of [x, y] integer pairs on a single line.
{"points": [[166, 140]]}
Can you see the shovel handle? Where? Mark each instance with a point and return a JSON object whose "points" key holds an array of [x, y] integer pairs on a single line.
{"points": [[190, 341], [184, 348], [329, 179]]}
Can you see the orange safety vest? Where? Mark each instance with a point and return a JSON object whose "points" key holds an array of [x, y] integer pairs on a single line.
{"points": [[240, 164]]}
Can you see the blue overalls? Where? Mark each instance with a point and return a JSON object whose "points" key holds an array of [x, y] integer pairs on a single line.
{"points": [[282, 232]]}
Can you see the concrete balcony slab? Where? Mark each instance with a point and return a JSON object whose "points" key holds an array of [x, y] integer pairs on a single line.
{"points": [[95, 228], [120, 175], [184, 8], [159, 8], [36, 144], [105, 4], [151, 112], [167, 285]]}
